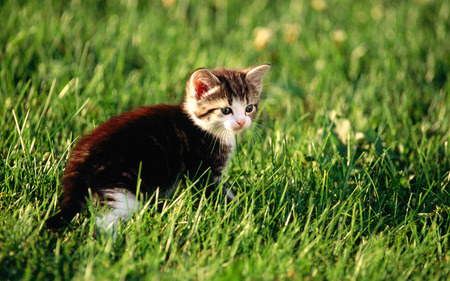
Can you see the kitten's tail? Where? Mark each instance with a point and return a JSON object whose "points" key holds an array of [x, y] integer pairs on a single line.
{"points": [[69, 208], [75, 193], [76, 189]]}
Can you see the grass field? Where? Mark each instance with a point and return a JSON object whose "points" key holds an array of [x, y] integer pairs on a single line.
{"points": [[345, 177]]}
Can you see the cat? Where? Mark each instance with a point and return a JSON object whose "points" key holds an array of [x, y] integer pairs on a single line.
{"points": [[161, 145]]}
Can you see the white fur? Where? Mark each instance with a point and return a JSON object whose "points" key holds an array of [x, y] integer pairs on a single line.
{"points": [[223, 127], [227, 126], [123, 203], [239, 115], [229, 195], [218, 129]]}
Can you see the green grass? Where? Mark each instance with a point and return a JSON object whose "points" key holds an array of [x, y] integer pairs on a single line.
{"points": [[346, 177]]}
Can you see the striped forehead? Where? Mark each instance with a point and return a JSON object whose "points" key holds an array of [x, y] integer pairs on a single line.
{"points": [[214, 102], [233, 85]]}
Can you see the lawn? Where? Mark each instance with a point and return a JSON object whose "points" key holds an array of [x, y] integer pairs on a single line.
{"points": [[345, 176]]}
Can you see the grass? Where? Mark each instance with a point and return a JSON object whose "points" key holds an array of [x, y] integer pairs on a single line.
{"points": [[346, 177]]}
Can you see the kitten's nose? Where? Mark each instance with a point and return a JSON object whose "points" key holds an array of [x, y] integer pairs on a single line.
{"points": [[240, 122]]}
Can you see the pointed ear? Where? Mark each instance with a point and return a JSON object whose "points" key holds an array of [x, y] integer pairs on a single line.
{"points": [[201, 82], [255, 75]]}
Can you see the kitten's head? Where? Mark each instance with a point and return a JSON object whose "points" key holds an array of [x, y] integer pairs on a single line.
{"points": [[222, 101]]}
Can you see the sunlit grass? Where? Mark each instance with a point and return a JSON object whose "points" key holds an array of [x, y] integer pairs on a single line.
{"points": [[345, 176]]}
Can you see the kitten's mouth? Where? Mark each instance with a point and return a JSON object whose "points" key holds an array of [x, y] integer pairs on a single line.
{"points": [[237, 129]]}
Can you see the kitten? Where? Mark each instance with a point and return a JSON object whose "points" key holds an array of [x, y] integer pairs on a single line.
{"points": [[161, 145]]}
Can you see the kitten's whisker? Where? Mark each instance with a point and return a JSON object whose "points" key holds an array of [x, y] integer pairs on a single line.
{"points": [[260, 125], [222, 138], [212, 144], [256, 133]]}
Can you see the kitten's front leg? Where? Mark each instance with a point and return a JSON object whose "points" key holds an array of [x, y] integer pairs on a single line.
{"points": [[229, 196]]}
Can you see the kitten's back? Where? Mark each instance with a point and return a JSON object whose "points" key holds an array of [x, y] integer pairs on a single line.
{"points": [[158, 144]]}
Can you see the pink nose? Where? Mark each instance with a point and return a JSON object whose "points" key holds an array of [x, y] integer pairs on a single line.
{"points": [[240, 122]]}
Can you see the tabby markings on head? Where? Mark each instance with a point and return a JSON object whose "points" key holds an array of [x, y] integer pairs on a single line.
{"points": [[223, 102]]}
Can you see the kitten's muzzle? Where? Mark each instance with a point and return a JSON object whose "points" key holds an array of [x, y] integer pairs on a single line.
{"points": [[241, 122]]}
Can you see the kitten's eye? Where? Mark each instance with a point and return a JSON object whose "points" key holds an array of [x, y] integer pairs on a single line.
{"points": [[249, 108], [226, 110]]}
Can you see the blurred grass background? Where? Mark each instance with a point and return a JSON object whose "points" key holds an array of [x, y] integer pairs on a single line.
{"points": [[346, 176]]}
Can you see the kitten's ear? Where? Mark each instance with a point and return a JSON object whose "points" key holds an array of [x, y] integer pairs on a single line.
{"points": [[201, 82], [255, 75]]}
